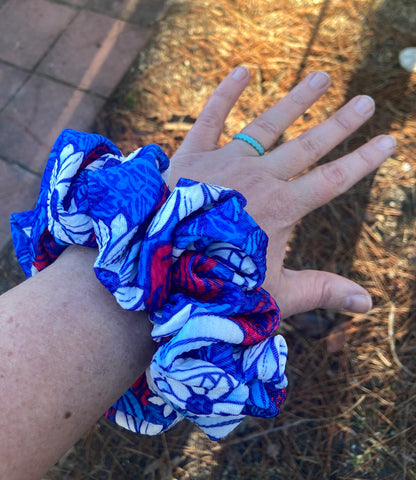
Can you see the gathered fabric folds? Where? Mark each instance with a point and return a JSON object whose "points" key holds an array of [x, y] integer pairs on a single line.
{"points": [[192, 258]]}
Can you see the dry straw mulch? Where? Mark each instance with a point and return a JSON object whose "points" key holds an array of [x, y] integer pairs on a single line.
{"points": [[351, 409]]}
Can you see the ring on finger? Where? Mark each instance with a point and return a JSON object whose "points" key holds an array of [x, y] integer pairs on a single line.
{"points": [[251, 141]]}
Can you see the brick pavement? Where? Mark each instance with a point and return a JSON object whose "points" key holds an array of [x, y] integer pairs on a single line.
{"points": [[60, 60]]}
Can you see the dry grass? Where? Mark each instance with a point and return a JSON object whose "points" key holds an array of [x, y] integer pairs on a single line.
{"points": [[351, 407]]}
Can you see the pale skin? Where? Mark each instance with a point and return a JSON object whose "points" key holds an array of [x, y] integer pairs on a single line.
{"points": [[68, 351]]}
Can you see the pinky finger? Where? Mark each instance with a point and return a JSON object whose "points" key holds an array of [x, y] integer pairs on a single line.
{"points": [[327, 181]]}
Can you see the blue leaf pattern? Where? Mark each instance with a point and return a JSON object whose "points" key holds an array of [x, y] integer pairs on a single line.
{"points": [[193, 258]]}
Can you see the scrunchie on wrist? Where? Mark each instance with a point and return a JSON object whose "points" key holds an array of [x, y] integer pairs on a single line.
{"points": [[193, 258]]}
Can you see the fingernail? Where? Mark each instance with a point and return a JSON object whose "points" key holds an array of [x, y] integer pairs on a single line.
{"points": [[319, 80], [364, 105], [240, 72], [358, 304], [386, 142]]}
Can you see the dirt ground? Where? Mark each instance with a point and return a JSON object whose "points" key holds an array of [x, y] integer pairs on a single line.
{"points": [[350, 412]]}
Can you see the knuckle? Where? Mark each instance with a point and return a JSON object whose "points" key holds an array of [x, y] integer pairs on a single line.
{"points": [[269, 203], [364, 154], [342, 122], [282, 210], [222, 92], [334, 174], [297, 97], [208, 120], [325, 288], [255, 179], [310, 145], [268, 127], [221, 96]]}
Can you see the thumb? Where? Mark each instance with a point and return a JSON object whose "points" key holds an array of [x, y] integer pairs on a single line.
{"points": [[301, 291]]}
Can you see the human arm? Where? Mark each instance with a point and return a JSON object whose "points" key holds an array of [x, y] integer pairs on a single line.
{"points": [[67, 351], [81, 313]]}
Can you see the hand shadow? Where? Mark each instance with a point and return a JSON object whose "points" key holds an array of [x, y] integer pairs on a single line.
{"points": [[390, 29]]}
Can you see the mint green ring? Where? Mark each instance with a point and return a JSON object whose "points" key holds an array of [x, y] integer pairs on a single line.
{"points": [[254, 143]]}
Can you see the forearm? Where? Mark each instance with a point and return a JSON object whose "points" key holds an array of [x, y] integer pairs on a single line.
{"points": [[67, 353]]}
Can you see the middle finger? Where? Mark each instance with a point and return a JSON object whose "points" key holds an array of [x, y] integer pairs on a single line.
{"points": [[296, 155]]}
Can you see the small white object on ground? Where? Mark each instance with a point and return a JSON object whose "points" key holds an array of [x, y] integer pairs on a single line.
{"points": [[407, 59]]}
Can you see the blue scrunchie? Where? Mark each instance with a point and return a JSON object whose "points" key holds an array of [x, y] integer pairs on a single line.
{"points": [[193, 258]]}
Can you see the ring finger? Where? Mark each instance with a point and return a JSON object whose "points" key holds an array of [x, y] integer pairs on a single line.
{"points": [[268, 127]]}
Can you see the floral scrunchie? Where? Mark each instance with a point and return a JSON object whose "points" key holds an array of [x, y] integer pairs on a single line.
{"points": [[192, 258]]}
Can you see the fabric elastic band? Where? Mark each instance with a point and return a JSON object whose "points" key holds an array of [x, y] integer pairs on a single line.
{"points": [[192, 258]]}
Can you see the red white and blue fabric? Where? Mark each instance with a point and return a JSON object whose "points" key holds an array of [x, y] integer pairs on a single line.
{"points": [[193, 258]]}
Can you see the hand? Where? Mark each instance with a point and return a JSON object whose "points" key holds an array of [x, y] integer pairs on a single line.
{"points": [[275, 200]]}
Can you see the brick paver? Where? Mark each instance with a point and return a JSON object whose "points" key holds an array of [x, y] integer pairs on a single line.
{"points": [[11, 78], [79, 3], [59, 62], [94, 52], [41, 109], [28, 27], [18, 192], [140, 12]]}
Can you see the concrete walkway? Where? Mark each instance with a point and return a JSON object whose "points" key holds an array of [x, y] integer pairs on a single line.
{"points": [[59, 62]]}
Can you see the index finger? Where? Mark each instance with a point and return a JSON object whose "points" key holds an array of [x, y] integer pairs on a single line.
{"points": [[209, 125]]}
